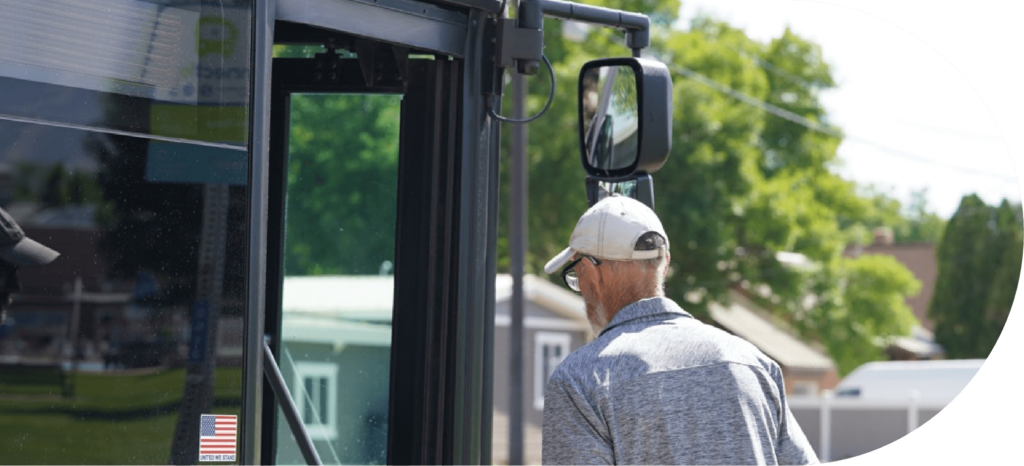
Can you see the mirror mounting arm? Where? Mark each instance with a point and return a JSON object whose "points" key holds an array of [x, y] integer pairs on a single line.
{"points": [[637, 26], [522, 44]]}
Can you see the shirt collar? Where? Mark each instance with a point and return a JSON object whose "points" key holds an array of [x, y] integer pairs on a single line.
{"points": [[645, 308]]}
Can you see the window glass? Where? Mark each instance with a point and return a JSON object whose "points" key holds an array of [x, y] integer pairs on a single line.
{"points": [[121, 349], [97, 343], [176, 69], [337, 300]]}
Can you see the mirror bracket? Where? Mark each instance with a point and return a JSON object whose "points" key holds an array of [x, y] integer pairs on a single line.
{"points": [[521, 41], [519, 46], [642, 190]]}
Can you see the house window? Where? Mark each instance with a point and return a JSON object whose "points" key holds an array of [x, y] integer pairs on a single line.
{"points": [[550, 348], [316, 396], [803, 387]]}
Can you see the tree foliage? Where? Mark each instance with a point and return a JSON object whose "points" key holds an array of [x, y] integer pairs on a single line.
{"points": [[979, 268], [740, 186], [914, 223], [342, 184]]}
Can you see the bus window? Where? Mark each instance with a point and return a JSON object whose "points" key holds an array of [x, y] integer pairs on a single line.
{"points": [[113, 352], [97, 343], [338, 282], [177, 69]]}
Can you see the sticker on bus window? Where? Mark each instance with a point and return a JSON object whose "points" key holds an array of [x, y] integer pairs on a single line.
{"points": [[217, 437]]}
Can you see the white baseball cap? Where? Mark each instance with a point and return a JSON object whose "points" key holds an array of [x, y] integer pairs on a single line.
{"points": [[610, 230]]}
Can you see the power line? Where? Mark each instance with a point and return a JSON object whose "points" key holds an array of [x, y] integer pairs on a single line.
{"points": [[813, 125], [828, 130], [772, 109], [921, 159]]}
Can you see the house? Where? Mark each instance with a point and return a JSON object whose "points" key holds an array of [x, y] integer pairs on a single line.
{"points": [[335, 356], [806, 370], [920, 259], [554, 325]]}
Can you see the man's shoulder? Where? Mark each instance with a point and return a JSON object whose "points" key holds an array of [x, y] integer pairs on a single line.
{"points": [[674, 342]]}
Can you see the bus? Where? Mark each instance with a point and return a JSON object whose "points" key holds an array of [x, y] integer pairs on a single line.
{"points": [[185, 156]]}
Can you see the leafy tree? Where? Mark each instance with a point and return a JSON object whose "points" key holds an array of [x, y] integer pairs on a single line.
{"points": [[914, 223], [979, 267], [922, 225], [55, 190], [740, 186], [82, 189], [854, 319], [342, 184], [342, 179]]}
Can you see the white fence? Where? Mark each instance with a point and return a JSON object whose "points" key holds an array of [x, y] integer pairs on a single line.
{"points": [[840, 428]]}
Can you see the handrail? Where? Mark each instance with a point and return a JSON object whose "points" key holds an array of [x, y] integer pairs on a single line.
{"points": [[291, 412]]}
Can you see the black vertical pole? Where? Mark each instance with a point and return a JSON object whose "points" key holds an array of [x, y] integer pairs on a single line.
{"points": [[517, 246]]}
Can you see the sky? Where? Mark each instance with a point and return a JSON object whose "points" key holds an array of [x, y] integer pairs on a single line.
{"points": [[928, 93]]}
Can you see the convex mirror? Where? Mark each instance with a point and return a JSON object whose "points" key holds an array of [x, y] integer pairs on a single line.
{"points": [[625, 113]]}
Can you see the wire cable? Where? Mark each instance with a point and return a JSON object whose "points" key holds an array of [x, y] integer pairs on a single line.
{"points": [[551, 98]]}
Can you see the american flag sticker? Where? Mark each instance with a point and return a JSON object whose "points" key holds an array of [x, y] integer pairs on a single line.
{"points": [[217, 437]]}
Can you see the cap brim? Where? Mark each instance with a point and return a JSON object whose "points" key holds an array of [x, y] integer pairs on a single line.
{"points": [[558, 261], [28, 253]]}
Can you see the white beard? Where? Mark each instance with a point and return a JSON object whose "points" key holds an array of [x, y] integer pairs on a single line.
{"points": [[597, 317]]}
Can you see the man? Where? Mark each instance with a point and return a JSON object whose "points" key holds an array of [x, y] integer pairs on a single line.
{"points": [[657, 386], [16, 250]]}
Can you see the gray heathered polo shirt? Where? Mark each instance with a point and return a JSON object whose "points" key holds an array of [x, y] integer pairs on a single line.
{"points": [[660, 387]]}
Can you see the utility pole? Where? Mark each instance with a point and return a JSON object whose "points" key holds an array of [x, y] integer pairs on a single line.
{"points": [[517, 246]]}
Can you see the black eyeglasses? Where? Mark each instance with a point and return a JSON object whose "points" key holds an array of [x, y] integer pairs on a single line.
{"points": [[569, 273]]}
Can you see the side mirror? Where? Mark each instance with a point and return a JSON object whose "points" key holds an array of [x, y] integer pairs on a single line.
{"points": [[625, 113]]}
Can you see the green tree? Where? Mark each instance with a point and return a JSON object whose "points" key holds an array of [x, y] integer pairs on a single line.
{"points": [[979, 267], [915, 223], [82, 189], [740, 186], [55, 189], [922, 224], [858, 305], [342, 184]]}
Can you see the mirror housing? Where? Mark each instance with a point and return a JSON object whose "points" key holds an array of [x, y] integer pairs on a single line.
{"points": [[625, 116]]}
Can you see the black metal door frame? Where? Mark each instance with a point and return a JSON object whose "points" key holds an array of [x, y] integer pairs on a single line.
{"points": [[424, 335], [423, 379]]}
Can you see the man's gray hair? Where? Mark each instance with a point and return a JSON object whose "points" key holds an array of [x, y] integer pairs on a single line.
{"points": [[654, 269], [644, 276]]}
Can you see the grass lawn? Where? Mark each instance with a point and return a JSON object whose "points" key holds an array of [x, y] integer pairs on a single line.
{"points": [[112, 419]]}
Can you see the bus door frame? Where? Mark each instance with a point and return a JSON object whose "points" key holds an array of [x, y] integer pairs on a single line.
{"points": [[448, 420]]}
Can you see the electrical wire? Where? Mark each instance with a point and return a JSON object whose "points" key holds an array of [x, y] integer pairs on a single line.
{"points": [[551, 98], [828, 130]]}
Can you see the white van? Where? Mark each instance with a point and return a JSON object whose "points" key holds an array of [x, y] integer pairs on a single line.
{"points": [[933, 382]]}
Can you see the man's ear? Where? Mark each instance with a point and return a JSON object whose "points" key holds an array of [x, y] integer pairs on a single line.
{"points": [[593, 275]]}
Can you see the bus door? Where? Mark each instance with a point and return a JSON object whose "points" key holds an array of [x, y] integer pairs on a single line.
{"points": [[362, 230]]}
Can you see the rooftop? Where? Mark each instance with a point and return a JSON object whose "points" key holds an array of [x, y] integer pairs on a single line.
{"points": [[743, 318]]}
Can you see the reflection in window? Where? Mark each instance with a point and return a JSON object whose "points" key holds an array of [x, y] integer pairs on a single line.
{"points": [[112, 324], [166, 69], [101, 344]]}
